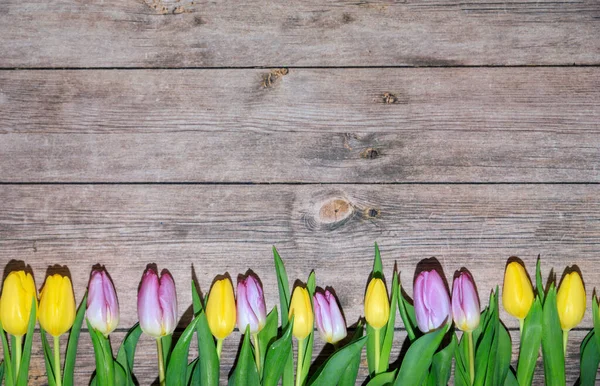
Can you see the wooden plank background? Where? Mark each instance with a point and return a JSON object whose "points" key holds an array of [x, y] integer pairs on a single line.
{"points": [[196, 135]]}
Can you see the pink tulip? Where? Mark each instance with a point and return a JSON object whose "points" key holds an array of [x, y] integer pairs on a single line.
{"points": [[465, 303], [330, 322], [102, 305], [157, 304], [432, 303], [251, 309]]}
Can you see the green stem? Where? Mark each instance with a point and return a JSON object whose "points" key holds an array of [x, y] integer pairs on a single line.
{"points": [[161, 363], [377, 349], [219, 348], [299, 362], [565, 339], [471, 356], [18, 354], [57, 377], [256, 352], [521, 324]]}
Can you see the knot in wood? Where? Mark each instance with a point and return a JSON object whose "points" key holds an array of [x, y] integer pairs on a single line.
{"points": [[369, 153], [334, 211]]}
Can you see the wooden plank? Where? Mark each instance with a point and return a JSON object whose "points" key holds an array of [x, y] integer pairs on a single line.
{"points": [[214, 229], [151, 33], [146, 368], [441, 125]]}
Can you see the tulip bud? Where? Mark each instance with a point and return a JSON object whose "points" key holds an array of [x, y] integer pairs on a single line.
{"points": [[251, 309], [465, 303], [18, 294], [330, 322], [377, 304], [220, 309], [157, 304], [517, 292], [570, 301], [102, 305], [301, 309], [432, 303], [57, 305]]}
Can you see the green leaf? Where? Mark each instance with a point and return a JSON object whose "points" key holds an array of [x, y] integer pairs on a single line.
{"points": [[511, 379], [486, 344], [48, 359], [596, 319], [189, 373], [589, 360], [284, 287], [23, 376], [122, 377], [348, 377], [277, 356], [539, 284], [441, 366], [331, 371], [377, 265], [419, 356], [502, 365], [383, 379], [388, 332], [407, 313], [266, 336], [105, 370], [245, 371], [208, 367], [13, 362], [531, 339], [552, 346], [126, 353], [311, 285], [1, 371], [284, 303], [178, 362], [461, 369], [7, 360], [71, 353]]}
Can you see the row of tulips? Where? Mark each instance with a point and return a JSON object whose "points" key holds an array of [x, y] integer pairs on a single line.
{"points": [[433, 319]]}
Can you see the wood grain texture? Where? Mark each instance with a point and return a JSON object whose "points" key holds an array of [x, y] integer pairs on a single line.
{"points": [[342, 125], [155, 33], [145, 366], [210, 230]]}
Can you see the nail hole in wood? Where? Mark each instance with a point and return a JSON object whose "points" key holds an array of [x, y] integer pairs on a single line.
{"points": [[372, 212]]}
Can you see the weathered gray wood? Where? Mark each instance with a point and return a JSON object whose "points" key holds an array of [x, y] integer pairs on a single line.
{"points": [[442, 125], [146, 367], [331, 229], [153, 33]]}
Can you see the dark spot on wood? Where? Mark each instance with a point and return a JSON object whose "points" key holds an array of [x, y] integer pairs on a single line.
{"points": [[334, 211], [34, 247], [271, 78], [389, 98], [347, 18], [370, 153], [372, 212], [198, 20]]}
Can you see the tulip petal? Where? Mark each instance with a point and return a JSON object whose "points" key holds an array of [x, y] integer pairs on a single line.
{"points": [[148, 304], [167, 298]]}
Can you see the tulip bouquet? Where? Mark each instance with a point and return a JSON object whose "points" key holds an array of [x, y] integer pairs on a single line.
{"points": [[443, 328]]}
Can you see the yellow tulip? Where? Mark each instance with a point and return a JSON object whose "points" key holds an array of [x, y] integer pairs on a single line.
{"points": [[220, 309], [517, 293], [377, 304], [57, 305], [302, 311], [18, 294], [570, 301]]}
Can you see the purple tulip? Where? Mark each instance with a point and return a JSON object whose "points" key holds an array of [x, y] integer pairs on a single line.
{"points": [[251, 309], [157, 304], [330, 322], [465, 303], [102, 305], [432, 303]]}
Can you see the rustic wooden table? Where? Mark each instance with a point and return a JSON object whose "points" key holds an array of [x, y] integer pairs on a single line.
{"points": [[195, 133]]}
